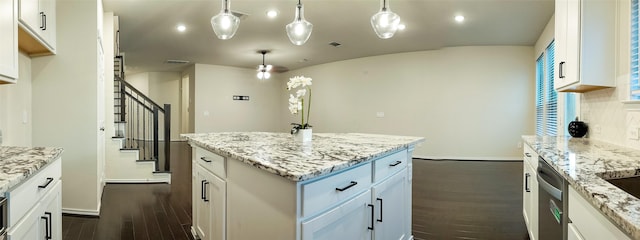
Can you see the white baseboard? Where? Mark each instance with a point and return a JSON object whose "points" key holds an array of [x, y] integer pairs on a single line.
{"points": [[194, 234], [519, 158], [162, 180], [81, 211]]}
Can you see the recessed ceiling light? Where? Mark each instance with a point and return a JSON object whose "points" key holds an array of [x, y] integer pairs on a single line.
{"points": [[181, 28], [401, 26], [272, 13], [459, 18]]}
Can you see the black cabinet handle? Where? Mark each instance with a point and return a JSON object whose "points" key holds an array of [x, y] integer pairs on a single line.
{"points": [[41, 20], [372, 212], [527, 154], [526, 182], [205, 160], [205, 191], [45, 22], [49, 180], [353, 183], [202, 189], [47, 226], [561, 70], [380, 199], [395, 164]]}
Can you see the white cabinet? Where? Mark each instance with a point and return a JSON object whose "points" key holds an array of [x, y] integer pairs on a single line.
{"points": [[37, 18], [350, 220], [35, 207], [584, 45], [8, 41], [209, 207], [573, 233], [530, 192], [587, 221], [390, 205]]}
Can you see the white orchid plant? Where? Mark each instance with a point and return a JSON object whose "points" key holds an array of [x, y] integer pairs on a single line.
{"points": [[296, 102]]}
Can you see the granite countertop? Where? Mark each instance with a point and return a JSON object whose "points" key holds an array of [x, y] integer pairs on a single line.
{"points": [[19, 163], [280, 154], [584, 163]]}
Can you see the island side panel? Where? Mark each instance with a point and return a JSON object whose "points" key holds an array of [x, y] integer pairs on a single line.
{"points": [[260, 205]]}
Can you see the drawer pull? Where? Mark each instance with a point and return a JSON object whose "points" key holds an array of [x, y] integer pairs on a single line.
{"points": [[353, 183], [49, 180], [527, 154], [205, 160], [372, 212], [380, 199], [395, 164]]}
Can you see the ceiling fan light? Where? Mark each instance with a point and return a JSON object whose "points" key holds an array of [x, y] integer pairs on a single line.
{"points": [[225, 24], [385, 22], [300, 29]]}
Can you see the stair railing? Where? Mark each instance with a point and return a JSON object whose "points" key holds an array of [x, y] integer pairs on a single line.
{"points": [[139, 119]]}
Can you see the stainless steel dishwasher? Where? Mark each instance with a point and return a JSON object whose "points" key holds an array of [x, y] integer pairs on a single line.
{"points": [[552, 203]]}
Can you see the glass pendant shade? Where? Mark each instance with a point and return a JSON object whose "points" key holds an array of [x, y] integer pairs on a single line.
{"points": [[225, 24], [300, 29], [263, 71], [385, 22]]}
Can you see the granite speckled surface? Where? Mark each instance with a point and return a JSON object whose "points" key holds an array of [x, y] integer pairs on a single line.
{"points": [[19, 163], [280, 154], [584, 163]]}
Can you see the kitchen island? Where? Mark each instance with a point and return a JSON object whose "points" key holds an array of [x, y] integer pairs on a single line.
{"points": [[597, 209], [262, 185], [30, 180]]}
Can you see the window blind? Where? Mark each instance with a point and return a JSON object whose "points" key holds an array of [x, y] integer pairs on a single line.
{"points": [[634, 84], [540, 96], [551, 116]]}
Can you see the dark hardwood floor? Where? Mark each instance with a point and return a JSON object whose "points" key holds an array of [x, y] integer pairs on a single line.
{"points": [[451, 200], [141, 211], [467, 200]]}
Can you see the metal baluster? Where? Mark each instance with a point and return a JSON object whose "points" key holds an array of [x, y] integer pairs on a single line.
{"points": [[144, 133]]}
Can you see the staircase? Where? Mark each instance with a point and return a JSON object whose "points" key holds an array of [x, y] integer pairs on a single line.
{"points": [[140, 148]]}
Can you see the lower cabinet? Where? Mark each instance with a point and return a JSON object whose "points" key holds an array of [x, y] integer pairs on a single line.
{"points": [[44, 221], [587, 223], [350, 220], [209, 204], [530, 192], [389, 202]]}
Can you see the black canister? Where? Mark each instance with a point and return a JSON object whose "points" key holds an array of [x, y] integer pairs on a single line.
{"points": [[578, 128]]}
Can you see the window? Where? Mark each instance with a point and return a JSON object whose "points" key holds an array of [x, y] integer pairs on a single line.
{"points": [[546, 95], [634, 84], [570, 110]]}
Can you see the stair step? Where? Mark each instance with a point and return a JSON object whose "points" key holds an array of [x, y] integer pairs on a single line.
{"points": [[162, 172], [130, 149], [117, 137], [120, 122], [149, 160]]}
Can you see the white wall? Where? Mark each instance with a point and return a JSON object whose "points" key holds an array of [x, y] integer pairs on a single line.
{"points": [[468, 102], [604, 108], [214, 89], [164, 88], [64, 103], [15, 107]]}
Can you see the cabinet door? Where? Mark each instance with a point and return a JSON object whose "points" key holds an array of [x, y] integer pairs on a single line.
{"points": [[571, 70], [51, 214], [573, 233], [530, 200], [28, 228], [202, 223], [560, 42], [8, 41], [48, 30], [30, 15], [351, 220], [210, 205], [388, 198]]}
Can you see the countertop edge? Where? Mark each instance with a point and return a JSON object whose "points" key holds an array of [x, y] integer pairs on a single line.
{"points": [[35, 167]]}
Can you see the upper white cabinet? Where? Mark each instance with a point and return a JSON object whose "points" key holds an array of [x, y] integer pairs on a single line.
{"points": [[8, 41], [584, 45], [37, 19]]}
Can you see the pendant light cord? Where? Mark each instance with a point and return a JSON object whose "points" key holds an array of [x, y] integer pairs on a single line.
{"points": [[384, 5], [299, 10]]}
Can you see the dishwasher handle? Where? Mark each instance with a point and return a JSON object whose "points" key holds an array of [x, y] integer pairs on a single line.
{"points": [[547, 187]]}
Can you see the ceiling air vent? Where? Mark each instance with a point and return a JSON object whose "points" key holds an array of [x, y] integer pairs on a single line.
{"points": [[171, 61], [335, 44]]}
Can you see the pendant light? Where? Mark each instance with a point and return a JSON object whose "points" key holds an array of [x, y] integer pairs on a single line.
{"points": [[225, 23], [300, 29], [385, 22], [263, 70]]}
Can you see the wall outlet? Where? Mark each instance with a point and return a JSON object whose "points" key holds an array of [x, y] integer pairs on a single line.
{"points": [[597, 129], [519, 144], [205, 113], [632, 133], [380, 114]]}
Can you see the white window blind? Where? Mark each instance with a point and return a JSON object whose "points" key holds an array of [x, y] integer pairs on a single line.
{"points": [[634, 84], [546, 95]]}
